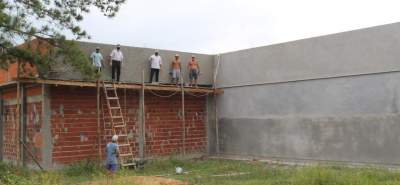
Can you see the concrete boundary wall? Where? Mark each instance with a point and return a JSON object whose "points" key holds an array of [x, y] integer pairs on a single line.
{"points": [[352, 119], [330, 98], [359, 139], [371, 50]]}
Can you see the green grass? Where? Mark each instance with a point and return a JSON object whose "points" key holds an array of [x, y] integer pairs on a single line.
{"points": [[203, 172], [211, 172]]}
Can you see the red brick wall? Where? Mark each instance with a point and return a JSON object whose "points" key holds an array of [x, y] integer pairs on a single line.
{"points": [[34, 121], [28, 70], [34, 135], [34, 124], [129, 102], [9, 131], [74, 123], [164, 127]]}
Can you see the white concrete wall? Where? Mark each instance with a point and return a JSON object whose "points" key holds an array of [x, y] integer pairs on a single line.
{"points": [[356, 52], [333, 98]]}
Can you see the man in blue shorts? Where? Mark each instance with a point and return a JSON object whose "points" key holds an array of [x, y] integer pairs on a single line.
{"points": [[112, 155]]}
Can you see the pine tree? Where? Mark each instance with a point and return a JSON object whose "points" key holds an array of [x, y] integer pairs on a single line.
{"points": [[47, 22]]}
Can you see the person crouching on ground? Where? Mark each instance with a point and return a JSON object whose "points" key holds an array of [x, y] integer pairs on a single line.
{"points": [[194, 71], [176, 70], [112, 151]]}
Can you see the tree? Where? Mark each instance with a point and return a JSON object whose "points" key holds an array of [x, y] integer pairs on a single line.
{"points": [[47, 22]]}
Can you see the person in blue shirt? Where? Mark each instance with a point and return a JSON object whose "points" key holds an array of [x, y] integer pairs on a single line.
{"points": [[112, 155], [97, 59]]}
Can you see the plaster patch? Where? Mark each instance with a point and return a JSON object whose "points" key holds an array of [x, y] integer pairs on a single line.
{"points": [[62, 110], [130, 134], [131, 111], [38, 140], [83, 137]]}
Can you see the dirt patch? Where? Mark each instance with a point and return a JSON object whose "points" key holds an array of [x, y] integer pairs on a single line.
{"points": [[136, 180]]}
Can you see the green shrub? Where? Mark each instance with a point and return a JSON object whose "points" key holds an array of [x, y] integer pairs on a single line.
{"points": [[84, 168], [12, 175]]}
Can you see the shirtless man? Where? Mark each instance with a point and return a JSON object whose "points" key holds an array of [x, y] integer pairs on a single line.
{"points": [[194, 71], [176, 70]]}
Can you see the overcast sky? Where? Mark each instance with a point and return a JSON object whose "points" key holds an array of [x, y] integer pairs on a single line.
{"points": [[217, 26]]}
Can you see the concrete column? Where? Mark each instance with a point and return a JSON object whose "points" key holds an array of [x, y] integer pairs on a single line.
{"points": [[47, 150], [210, 126]]}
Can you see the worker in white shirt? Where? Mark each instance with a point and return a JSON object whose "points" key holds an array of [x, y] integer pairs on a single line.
{"points": [[116, 57], [155, 65]]}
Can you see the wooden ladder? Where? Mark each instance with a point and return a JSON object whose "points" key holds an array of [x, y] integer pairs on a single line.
{"points": [[118, 126]]}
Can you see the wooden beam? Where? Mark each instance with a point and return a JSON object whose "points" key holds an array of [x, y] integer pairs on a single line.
{"points": [[23, 123], [17, 125], [122, 86], [183, 120], [142, 123], [1, 124], [8, 84], [98, 120], [31, 155]]}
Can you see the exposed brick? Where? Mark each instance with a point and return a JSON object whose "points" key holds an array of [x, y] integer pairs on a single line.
{"points": [[34, 125], [74, 126], [163, 123]]}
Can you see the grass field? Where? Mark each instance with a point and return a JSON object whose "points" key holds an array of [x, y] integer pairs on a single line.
{"points": [[208, 172]]}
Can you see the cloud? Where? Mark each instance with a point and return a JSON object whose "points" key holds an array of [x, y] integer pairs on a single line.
{"points": [[214, 26]]}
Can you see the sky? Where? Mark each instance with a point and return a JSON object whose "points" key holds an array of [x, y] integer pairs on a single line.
{"points": [[218, 26]]}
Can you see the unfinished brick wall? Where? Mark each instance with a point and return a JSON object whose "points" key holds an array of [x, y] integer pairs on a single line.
{"points": [[74, 123], [74, 126], [129, 102], [34, 123], [26, 69], [9, 131], [34, 135], [164, 128]]}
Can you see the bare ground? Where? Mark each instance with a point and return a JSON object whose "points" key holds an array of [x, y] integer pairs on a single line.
{"points": [[136, 180]]}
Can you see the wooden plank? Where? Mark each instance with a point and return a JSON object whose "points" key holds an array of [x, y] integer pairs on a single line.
{"points": [[143, 136], [8, 84], [183, 120], [31, 155], [120, 85], [17, 125], [1, 124], [98, 120]]}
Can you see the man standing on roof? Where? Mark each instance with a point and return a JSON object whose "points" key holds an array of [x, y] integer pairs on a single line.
{"points": [[97, 59], [116, 57], [176, 69], [194, 71], [112, 151], [155, 65]]}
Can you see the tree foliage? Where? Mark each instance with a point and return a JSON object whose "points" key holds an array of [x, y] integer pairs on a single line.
{"points": [[47, 22]]}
